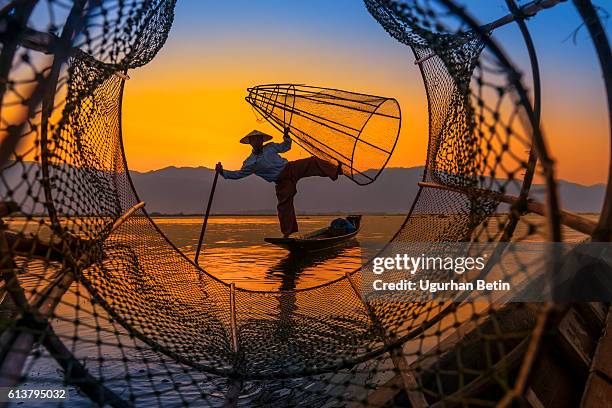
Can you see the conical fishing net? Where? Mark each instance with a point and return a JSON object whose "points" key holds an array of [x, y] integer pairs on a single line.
{"points": [[359, 131], [98, 299]]}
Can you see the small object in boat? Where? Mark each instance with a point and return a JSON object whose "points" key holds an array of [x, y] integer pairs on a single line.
{"points": [[341, 226]]}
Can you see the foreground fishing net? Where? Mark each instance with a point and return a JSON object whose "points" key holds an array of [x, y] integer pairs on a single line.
{"points": [[360, 131], [99, 299]]}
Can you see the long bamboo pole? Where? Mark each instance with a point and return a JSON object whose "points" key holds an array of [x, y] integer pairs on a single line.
{"points": [[235, 384], [567, 218], [206, 215], [127, 215]]}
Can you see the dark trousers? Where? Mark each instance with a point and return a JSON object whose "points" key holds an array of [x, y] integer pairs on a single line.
{"points": [[286, 187]]}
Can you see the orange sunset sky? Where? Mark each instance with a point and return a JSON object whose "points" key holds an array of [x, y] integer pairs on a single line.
{"points": [[187, 108]]}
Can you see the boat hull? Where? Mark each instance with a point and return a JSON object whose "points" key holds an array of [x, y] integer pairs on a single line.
{"points": [[309, 245]]}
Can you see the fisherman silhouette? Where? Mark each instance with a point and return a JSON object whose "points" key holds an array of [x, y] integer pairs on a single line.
{"points": [[266, 162]]}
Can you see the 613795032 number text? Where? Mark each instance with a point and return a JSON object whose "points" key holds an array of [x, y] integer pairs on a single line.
{"points": [[24, 394]]}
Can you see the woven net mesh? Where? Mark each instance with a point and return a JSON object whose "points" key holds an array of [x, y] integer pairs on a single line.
{"points": [[126, 318]]}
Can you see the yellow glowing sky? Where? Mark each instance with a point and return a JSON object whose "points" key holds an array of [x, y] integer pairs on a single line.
{"points": [[187, 108], [204, 113]]}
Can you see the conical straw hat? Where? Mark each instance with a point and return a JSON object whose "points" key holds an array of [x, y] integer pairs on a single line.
{"points": [[245, 140]]}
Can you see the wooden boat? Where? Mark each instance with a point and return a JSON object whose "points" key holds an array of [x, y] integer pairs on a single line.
{"points": [[318, 240]]}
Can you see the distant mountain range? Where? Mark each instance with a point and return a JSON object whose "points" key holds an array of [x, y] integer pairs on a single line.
{"points": [[176, 190]]}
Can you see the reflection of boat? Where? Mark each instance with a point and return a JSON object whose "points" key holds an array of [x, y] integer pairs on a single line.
{"points": [[294, 263], [318, 240]]}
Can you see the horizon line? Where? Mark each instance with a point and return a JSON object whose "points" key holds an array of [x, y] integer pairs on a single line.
{"points": [[601, 183]]}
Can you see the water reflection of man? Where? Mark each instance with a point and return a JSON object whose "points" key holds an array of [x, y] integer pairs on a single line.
{"points": [[287, 304], [266, 162], [290, 269]]}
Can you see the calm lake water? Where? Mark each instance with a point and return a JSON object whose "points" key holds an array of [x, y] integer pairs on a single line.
{"points": [[235, 250]]}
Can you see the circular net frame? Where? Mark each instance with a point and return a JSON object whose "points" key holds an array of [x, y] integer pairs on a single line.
{"points": [[95, 291]]}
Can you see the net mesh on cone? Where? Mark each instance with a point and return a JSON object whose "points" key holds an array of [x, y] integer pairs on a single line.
{"points": [[359, 131]]}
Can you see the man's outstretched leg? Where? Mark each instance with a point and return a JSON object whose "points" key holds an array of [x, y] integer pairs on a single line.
{"points": [[313, 166]]}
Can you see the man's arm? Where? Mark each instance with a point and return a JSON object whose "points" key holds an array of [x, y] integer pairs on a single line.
{"points": [[246, 170], [285, 145]]}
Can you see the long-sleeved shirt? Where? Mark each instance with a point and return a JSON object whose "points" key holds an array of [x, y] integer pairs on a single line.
{"points": [[268, 164]]}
